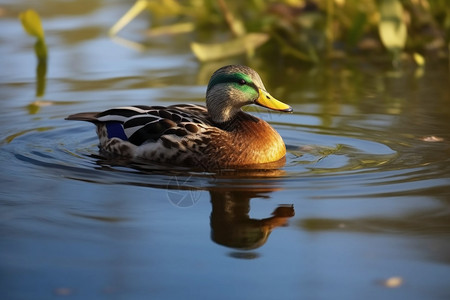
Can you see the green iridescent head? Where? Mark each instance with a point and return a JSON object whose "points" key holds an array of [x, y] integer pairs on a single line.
{"points": [[234, 86]]}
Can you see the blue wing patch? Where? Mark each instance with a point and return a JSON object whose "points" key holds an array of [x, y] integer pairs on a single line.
{"points": [[115, 129]]}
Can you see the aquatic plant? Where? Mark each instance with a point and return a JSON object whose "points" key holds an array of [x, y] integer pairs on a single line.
{"points": [[32, 24]]}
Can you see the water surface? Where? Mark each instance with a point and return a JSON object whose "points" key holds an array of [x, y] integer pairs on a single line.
{"points": [[361, 208]]}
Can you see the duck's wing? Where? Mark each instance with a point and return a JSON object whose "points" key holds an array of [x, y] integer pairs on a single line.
{"points": [[191, 109], [143, 124]]}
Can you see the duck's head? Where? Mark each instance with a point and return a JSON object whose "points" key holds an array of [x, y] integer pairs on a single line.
{"points": [[234, 86]]}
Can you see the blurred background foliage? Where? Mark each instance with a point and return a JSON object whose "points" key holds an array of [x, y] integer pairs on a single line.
{"points": [[303, 30]]}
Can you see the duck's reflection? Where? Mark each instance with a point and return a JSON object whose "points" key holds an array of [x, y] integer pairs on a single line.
{"points": [[231, 224]]}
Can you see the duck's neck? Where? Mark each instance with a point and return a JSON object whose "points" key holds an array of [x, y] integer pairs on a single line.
{"points": [[238, 121]]}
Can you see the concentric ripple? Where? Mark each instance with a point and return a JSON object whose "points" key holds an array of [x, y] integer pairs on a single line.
{"points": [[343, 162]]}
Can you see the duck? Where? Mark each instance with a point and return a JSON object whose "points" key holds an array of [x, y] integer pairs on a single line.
{"points": [[216, 136]]}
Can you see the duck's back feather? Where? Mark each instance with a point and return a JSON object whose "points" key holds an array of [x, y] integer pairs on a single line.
{"points": [[141, 124]]}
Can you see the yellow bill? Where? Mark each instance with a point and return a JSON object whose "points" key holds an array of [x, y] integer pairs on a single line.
{"points": [[266, 100]]}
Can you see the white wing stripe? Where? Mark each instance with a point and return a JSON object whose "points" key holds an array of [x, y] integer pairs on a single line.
{"points": [[131, 130]]}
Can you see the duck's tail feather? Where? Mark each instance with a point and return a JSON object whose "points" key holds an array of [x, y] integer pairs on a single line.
{"points": [[84, 116]]}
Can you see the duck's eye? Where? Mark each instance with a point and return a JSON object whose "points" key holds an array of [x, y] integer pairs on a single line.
{"points": [[242, 82]]}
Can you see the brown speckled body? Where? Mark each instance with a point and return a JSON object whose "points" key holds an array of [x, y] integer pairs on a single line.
{"points": [[245, 141]]}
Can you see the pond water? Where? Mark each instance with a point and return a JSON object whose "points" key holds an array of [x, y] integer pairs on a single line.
{"points": [[360, 210]]}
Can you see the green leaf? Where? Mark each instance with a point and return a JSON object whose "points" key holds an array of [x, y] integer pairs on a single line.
{"points": [[172, 29], [356, 29], [40, 49], [136, 9], [41, 70], [31, 22], [244, 44], [419, 59], [392, 28]]}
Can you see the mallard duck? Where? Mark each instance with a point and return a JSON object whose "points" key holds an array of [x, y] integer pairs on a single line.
{"points": [[217, 136]]}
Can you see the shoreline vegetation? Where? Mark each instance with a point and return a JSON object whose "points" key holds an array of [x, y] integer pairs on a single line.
{"points": [[310, 31]]}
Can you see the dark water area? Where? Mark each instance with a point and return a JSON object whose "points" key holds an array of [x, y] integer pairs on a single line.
{"points": [[360, 210]]}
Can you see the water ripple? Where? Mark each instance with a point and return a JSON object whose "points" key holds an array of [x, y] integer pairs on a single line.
{"points": [[340, 161]]}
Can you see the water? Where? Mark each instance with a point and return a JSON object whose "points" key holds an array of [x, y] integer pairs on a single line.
{"points": [[361, 209]]}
